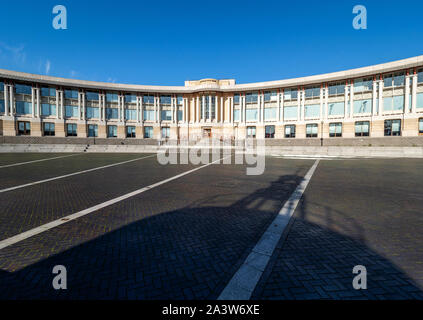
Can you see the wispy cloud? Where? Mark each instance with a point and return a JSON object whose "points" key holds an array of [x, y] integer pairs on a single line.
{"points": [[48, 66], [15, 54], [112, 80]]}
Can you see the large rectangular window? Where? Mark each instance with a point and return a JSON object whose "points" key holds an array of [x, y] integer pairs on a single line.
{"points": [[251, 114], [394, 80], [290, 112], [336, 108], [130, 114], [165, 132], [2, 107], [91, 96], [148, 132], [362, 128], [71, 94], [48, 109], [93, 113], [335, 130], [112, 97], [112, 113], [23, 89], [166, 115], [421, 126], [49, 129], [251, 97], [270, 96], [361, 85], [71, 130], [92, 130], [290, 94], [148, 115], [395, 103], [290, 131], [270, 113], [130, 132], [48, 92], [311, 130], [420, 76], [71, 111], [392, 127], [24, 128], [111, 131], [362, 106], [336, 88], [312, 92], [1, 86], [130, 98], [312, 111], [23, 107], [269, 132], [237, 114], [236, 98], [148, 99], [251, 132], [167, 100], [419, 103]]}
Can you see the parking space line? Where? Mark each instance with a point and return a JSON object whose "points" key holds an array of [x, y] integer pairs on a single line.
{"points": [[40, 160], [73, 174], [30, 233], [244, 281]]}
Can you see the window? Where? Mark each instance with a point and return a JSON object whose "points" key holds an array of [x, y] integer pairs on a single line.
{"points": [[91, 96], [166, 100], [149, 99], [48, 109], [130, 98], [93, 113], [112, 113], [393, 80], [166, 115], [312, 92], [362, 106], [251, 97], [180, 114], [251, 132], [48, 92], [270, 96], [92, 130], [130, 132], [111, 97], [148, 132], [24, 128], [130, 114], [49, 129], [1, 86], [420, 76], [269, 132], [361, 85], [237, 114], [111, 131], [312, 111], [336, 109], [179, 100], [290, 112], [392, 127], [71, 130], [2, 108], [290, 94], [362, 128], [23, 89], [165, 132], [421, 126], [395, 103], [251, 114], [71, 94], [311, 130], [335, 130], [71, 111], [23, 107], [236, 98], [419, 103], [337, 88], [270, 113], [290, 131], [148, 115]]}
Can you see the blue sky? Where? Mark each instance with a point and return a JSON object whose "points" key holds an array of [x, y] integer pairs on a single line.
{"points": [[166, 43]]}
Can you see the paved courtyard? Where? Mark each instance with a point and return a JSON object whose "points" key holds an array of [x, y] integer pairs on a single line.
{"points": [[185, 232]]}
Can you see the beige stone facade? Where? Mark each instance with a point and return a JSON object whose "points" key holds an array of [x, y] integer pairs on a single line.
{"points": [[377, 101]]}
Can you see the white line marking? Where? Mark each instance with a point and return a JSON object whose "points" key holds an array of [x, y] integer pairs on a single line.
{"points": [[30, 233], [40, 160], [244, 281], [72, 174]]}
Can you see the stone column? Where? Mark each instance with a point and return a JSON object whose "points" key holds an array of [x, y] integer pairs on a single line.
{"points": [[57, 103], [210, 108], [299, 104], [407, 94], [203, 111], [83, 106], [231, 110], [244, 108], [12, 100], [282, 117], [414, 93], [321, 102], [38, 101], [6, 100], [262, 106], [33, 93], [380, 97], [79, 105], [302, 105], [326, 103], [374, 97], [351, 100], [346, 114], [197, 116]]}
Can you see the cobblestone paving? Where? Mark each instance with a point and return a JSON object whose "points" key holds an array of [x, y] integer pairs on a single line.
{"points": [[11, 158], [365, 212], [183, 240]]}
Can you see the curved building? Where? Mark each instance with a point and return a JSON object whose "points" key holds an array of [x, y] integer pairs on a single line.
{"points": [[379, 101]]}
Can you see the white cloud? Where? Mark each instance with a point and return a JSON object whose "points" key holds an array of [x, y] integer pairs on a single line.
{"points": [[48, 66], [15, 54]]}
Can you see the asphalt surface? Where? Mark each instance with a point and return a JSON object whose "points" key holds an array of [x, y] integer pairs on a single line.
{"points": [[186, 238]]}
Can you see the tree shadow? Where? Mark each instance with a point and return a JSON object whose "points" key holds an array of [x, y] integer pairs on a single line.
{"points": [[192, 253]]}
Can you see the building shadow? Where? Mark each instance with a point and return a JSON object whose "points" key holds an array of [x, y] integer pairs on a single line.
{"points": [[192, 253]]}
